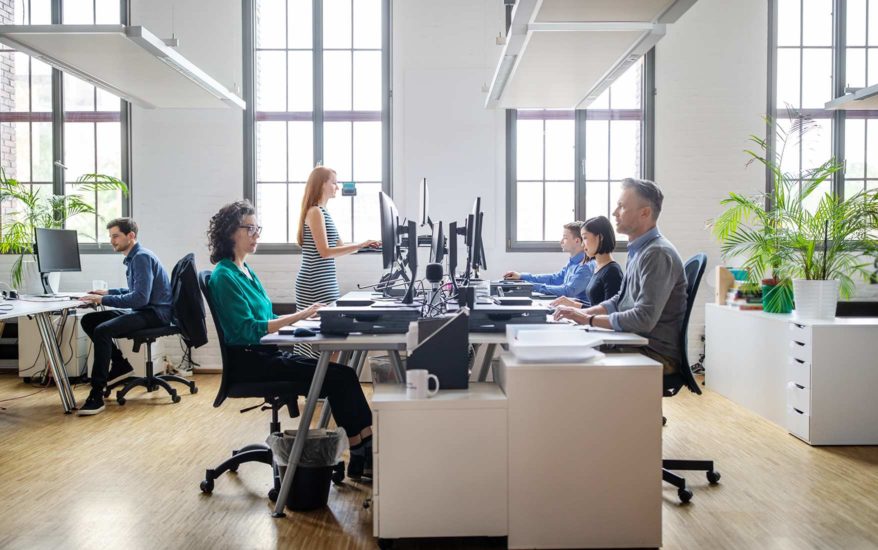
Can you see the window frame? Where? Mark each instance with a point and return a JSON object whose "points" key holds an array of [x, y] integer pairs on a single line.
{"points": [[317, 113], [58, 120], [580, 116]]}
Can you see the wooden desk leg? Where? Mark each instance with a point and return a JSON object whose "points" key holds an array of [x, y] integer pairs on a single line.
{"points": [[326, 410], [56, 363], [302, 433], [486, 361]]}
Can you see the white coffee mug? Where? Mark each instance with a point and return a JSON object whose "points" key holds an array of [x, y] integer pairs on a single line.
{"points": [[417, 382], [97, 284]]}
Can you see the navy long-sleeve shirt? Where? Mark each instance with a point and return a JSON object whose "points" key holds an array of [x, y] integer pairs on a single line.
{"points": [[149, 286]]}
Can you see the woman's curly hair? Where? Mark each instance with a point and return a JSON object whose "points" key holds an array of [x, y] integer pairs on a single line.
{"points": [[223, 225]]}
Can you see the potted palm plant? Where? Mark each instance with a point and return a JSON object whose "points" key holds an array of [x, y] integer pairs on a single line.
{"points": [[25, 209], [814, 243]]}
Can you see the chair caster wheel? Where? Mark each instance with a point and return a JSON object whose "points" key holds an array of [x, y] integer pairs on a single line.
{"points": [[207, 486], [713, 477], [233, 469], [664, 421], [367, 504], [175, 398], [685, 495], [120, 400], [193, 390], [272, 495], [385, 544]]}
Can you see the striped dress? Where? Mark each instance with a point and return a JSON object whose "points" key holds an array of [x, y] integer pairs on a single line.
{"points": [[317, 280]]}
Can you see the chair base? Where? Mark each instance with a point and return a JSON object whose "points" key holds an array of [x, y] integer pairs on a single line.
{"points": [[257, 452], [151, 383], [679, 482]]}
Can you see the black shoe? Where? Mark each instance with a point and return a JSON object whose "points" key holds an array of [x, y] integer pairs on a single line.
{"points": [[94, 404], [119, 370], [367, 468], [356, 466]]}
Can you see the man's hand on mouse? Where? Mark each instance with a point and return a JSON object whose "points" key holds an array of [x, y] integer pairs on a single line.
{"points": [[92, 298]]}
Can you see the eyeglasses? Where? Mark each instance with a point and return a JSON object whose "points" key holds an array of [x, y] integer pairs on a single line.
{"points": [[252, 230]]}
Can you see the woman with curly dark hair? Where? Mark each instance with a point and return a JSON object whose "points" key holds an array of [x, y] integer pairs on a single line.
{"points": [[245, 315]]}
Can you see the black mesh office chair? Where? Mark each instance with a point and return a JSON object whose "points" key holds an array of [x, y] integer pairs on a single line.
{"points": [[694, 269], [274, 394]]}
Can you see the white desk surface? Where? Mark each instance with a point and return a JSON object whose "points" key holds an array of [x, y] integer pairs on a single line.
{"points": [[793, 318], [480, 395], [24, 307], [609, 361]]}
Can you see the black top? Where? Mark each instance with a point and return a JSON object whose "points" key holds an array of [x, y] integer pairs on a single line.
{"points": [[604, 284]]}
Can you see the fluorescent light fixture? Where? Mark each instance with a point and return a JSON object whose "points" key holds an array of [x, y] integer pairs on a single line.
{"points": [[129, 62], [502, 76], [864, 99]]}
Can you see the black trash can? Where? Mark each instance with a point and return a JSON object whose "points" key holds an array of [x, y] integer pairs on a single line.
{"points": [[310, 488]]}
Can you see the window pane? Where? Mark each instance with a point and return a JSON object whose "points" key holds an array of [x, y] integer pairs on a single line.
{"points": [[559, 207], [852, 187], [597, 149], [16, 162], [856, 23], [529, 150], [872, 77], [367, 222], [300, 24], [301, 81], [816, 77], [855, 70], [625, 92], [337, 81], [296, 195], [873, 24], [872, 149], [340, 210], [110, 149], [602, 102], [109, 207], [78, 94], [270, 19], [337, 149], [367, 151], [788, 78], [817, 23], [21, 68], [107, 12], [367, 81], [529, 226], [270, 77], [597, 193], [41, 151], [271, 146], [817, 145], [40, 12], [337, 23], [624, 149], [79, 149], [788, 23], [367, 24], [560, 137], [84, 224], [41, 87], [271, 203], [855, 148], [811, 202], [301, 150], [107, 101], [787, 147], [78, 12]]}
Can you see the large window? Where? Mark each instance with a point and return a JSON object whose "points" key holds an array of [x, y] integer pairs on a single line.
{"points": [[49, 139], [321, 90], [564, 165], [824, 47]]}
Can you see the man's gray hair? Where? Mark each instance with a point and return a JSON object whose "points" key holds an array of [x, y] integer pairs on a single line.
{"points": [[648, 191]]}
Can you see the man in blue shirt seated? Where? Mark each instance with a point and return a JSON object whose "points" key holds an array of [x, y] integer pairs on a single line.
{"points": [[146, 303], [573, 278]]}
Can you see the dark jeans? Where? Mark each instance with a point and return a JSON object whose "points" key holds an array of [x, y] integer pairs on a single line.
{"points": [[103, 326], [341, 386]]}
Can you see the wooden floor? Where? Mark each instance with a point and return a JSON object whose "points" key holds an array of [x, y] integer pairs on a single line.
{"points": [[128, 478]]}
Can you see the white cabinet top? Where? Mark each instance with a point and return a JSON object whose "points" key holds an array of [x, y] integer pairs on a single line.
{"points": [[609, 361], [480, 395], [792, 318]]}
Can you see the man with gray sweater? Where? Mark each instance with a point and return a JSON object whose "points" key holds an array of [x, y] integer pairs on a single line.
{"points": [[652, 300]]}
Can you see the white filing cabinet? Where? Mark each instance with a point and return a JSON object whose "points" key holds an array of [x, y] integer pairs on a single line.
{"points": [[584, 452], [816, 378], [439, 463]]}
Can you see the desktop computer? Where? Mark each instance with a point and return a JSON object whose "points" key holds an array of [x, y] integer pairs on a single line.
{"points": [[56, 250]]}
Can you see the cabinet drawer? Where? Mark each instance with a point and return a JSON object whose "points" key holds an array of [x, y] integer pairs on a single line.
{"points": [[800, 333], [800, 351], [798, 397], [799, 371], [798, 423]]}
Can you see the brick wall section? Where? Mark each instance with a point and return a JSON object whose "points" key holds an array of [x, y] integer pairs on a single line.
{"points": [[7, 97]]}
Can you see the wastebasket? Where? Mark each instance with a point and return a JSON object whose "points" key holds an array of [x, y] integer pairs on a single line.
{"points": [[320, 456]]}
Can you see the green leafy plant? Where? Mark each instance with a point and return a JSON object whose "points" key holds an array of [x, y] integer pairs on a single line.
{"points": [[778, 232], [26, 209]]}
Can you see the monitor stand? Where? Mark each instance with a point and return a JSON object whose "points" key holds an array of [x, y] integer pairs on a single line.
{"points": [[47, 288]]}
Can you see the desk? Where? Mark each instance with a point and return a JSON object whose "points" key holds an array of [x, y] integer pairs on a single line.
{"points": [[40, 311]]}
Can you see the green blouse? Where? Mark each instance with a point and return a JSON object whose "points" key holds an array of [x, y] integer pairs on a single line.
{"points": [[242, 304]]}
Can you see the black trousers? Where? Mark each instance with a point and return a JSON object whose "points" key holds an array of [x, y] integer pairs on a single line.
{"points": [[103, 326], [341, 386]]}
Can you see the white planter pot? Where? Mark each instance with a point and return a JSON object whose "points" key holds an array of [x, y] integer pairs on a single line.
{"points": [[30, 278], [815, 299]]}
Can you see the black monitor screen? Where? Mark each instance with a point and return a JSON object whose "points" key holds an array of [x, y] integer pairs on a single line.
{"points": [[57, 250]]}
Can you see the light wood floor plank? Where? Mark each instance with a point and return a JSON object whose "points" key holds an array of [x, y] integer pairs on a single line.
{"points": [[128, 478]]}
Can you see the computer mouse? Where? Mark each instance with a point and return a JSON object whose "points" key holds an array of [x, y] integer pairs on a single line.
{"points": [[302, 331]]}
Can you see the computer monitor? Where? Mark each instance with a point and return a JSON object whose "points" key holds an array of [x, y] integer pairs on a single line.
{"points": [[437, 244], [424, 204], [452, 253], [389, 230], [56, 250], [479, 244], [475, 251]]}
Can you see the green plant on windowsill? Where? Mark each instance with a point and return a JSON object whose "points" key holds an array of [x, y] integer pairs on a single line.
{"points": [[779, 236], [25, 209]]}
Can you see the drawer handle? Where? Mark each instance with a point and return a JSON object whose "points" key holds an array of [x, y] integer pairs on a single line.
{"points": [[802, 344], [799, 361], [797, 325], [801, 387], [798, 411]]}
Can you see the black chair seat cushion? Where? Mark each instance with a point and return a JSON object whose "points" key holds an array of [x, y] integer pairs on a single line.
{"points": [[267, 390], [153, 333]]}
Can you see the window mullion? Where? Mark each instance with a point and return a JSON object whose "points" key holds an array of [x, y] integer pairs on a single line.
{"points": [[317, 88], [579, 191], [57, 115], [839, 41]]}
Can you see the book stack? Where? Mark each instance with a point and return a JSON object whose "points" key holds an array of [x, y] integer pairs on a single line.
{"points": [[745, 295]]}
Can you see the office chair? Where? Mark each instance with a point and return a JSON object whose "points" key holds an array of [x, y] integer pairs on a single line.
{"points": [[274, 394], [147, 337], [694, 269]]}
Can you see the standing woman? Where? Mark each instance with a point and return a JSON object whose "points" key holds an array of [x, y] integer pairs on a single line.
{"points": [[317, 281]]}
